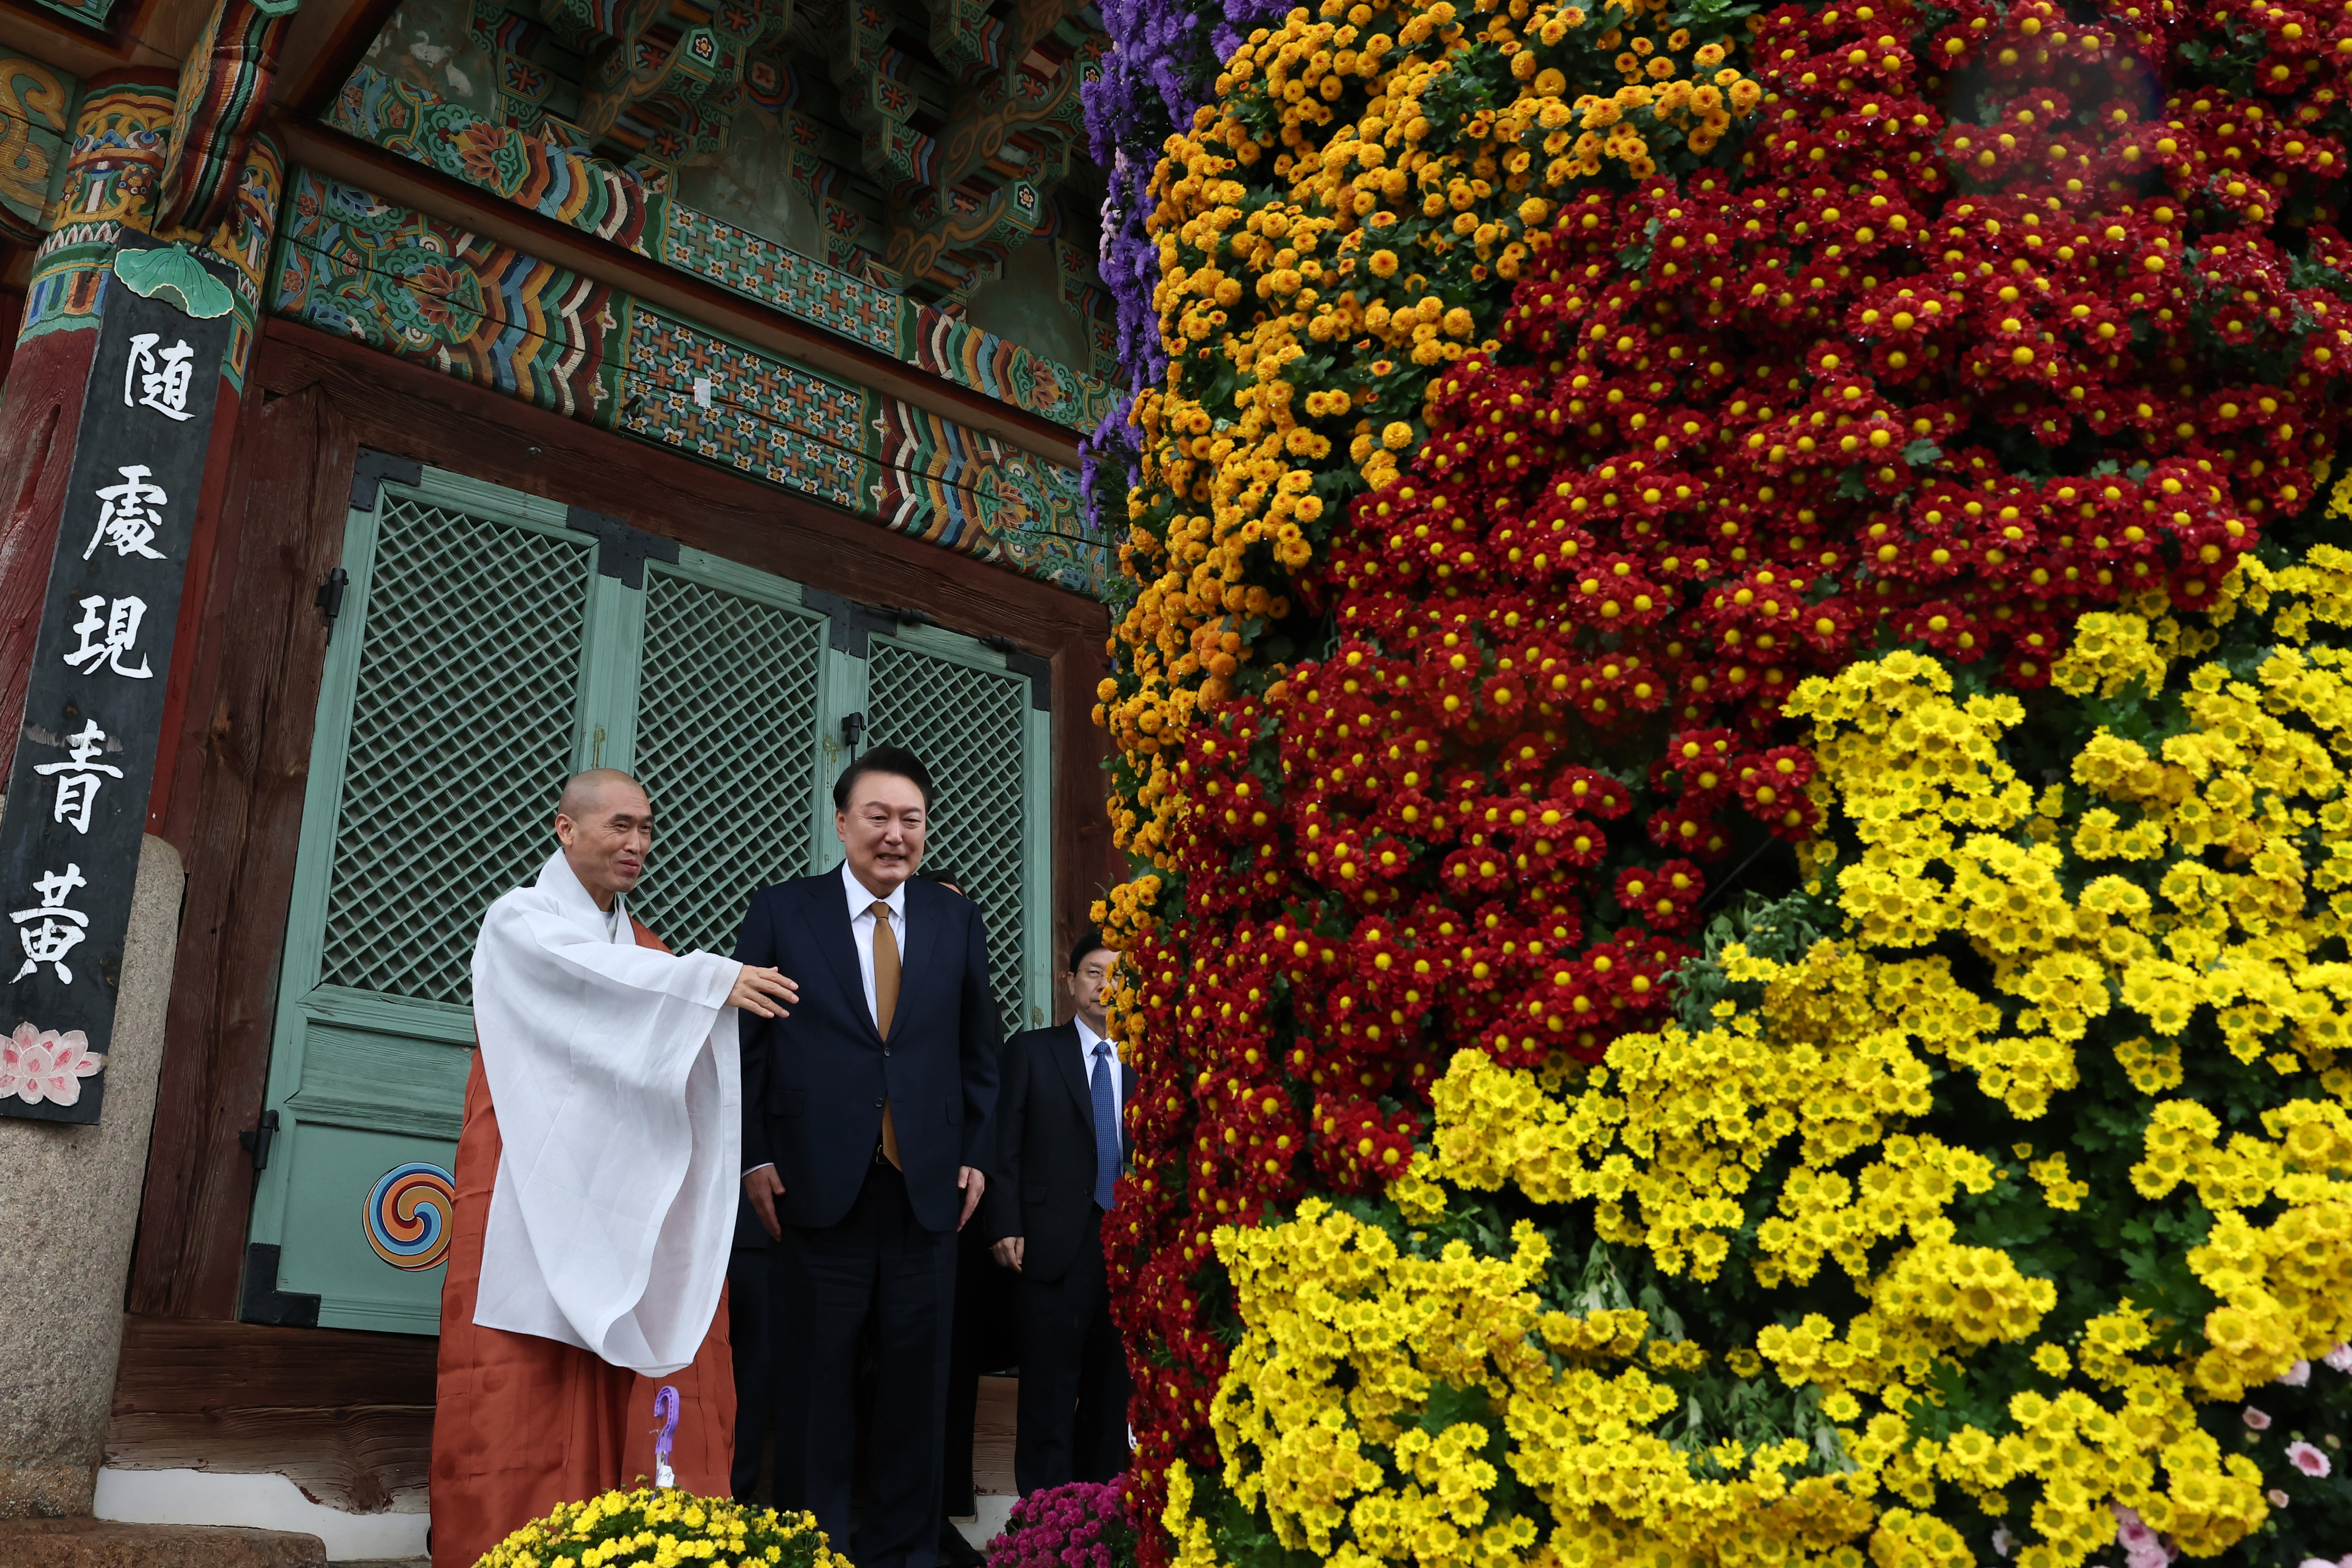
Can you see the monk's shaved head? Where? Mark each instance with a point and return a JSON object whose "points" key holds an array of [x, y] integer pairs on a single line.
{"points": [[583, 793], [606, 822]]}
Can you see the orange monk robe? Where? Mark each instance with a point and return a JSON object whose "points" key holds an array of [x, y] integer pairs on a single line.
{"points": [[521, 1422]]}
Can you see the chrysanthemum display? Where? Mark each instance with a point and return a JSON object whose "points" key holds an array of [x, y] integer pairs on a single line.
{"points": [[661, 1529], [1083, 1524], [1611, 467]]}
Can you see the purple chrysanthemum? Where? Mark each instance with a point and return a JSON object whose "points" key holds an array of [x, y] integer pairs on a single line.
{"points": [[1160, 67]]}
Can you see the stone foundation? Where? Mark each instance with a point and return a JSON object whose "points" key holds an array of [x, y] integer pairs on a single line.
{"points": [[96, 1543], [70, 1203]]}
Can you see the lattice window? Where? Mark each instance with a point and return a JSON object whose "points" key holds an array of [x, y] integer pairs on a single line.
{"points": [[727, 742], [462, 726], [969, 727]]}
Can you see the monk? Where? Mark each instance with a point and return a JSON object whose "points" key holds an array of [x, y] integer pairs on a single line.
{"points": [[596, 1188]]}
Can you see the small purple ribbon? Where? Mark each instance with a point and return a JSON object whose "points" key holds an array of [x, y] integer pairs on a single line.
{"points": [[666, 1412]]}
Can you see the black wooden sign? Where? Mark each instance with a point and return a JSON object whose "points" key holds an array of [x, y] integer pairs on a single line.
{"points": [[94, 702]]}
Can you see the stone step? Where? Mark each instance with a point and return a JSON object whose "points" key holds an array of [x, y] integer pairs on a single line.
{"points": [[103, 1544]]}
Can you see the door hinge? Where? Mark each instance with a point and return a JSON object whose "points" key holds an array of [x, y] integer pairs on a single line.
{"points": [[371, 468], [847, 623], [330, 598], [1021, 661], [622, 551], [256, 1139], [853, 725], [261, 1301]]}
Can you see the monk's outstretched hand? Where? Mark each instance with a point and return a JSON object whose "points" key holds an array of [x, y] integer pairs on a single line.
{"points": [[761, 1187], [763, 992]]}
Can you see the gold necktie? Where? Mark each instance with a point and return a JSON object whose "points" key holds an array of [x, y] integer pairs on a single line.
{"points": [[886, 1002]]}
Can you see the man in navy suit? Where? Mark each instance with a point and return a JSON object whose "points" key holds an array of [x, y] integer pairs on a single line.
{"points": [[1060, 1144], [866, 1144]]}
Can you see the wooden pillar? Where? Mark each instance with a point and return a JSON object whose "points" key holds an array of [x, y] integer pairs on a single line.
{"points": [[116, 165], [118, 150]]}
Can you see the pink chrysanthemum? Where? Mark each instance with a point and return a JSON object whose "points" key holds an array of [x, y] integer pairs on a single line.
{"points": [[1082, 1525]]}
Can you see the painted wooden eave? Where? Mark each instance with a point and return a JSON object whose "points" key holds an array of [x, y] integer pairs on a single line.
{"points": [[323, 45], [154, 37], [341, 156]]}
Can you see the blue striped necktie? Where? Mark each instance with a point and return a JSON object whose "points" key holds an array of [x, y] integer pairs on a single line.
{"points": [[1106, 1125]]}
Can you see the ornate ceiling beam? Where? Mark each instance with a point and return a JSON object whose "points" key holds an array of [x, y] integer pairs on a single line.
{"points": [[338, 155], [957, 239], [668, 76], [223, 90], [1025, 98], [320, 49]]}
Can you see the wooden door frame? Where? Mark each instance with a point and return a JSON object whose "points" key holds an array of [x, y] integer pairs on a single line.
{"points": [[233, 801]]}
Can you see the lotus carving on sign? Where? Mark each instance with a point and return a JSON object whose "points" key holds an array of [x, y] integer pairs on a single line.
{"points": [[38, 1065]]}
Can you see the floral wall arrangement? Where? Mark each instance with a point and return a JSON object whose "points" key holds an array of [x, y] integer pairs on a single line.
{"points": [[1731, 720]]}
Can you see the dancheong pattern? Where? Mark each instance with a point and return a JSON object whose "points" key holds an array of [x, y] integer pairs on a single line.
{"points": [[619, 203], [435, 294], [769, 272], [439, 295], [963, 352], [589, 193], [756, 415], [111, 172]]}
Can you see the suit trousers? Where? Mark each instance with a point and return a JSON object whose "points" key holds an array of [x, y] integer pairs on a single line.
{"points": [[1074, 1386], [981, 1342], [878, 1265], [751, 1272]]}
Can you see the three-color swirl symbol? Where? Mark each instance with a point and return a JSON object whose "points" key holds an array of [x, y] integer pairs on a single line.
{"points": [[408, 1214]]}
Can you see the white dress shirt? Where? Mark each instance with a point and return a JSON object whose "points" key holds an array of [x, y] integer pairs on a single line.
{"points": [[861, 937], [861, 931], [1087, 1040]]}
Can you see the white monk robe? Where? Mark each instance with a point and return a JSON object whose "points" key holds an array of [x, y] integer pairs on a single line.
{"points": [[619, 1090], [596, 1187]]}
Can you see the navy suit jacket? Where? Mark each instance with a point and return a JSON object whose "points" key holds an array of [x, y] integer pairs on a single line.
{"points": [[813, 1084], [1044, 1188]]}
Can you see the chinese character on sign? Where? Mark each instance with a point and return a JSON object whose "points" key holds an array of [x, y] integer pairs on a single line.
{"points": [[161, 380], [50, 932], [129, 514], [78, 786], [108, 636]]}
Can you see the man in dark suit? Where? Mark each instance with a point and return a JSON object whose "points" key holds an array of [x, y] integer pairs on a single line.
{"points": [[751, 1331], [1060, 1144], [866, 1138], [982, 1333]]}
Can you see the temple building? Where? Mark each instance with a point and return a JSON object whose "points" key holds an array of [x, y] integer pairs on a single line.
{"points": [[407, 404]]}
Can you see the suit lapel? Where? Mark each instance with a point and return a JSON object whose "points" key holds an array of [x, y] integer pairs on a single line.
{"points": [[825, 912], [922, 940], [1075, 1072]]}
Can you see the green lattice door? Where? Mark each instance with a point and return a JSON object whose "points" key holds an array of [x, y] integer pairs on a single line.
{"points": [[989, 746], [492, 642], [728, 712]]}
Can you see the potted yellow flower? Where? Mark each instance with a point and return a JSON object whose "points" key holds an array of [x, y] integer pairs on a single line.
{"points": [[661, 1527]]}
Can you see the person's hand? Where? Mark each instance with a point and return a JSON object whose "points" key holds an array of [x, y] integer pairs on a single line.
{"points": [[763, 991], [974, 1183], [1007, 1253], [761, 1187]]}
